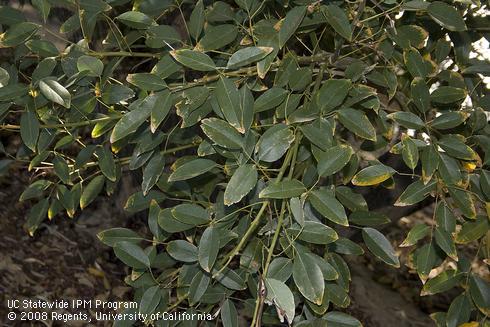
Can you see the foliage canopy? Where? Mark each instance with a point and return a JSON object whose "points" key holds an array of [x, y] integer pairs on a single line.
{"points": [[257, 126]]}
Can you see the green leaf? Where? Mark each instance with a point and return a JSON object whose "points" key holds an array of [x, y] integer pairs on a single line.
{"points": [[240, 184], [459, 311], [429, 158], [29, 129], [152, 172], [132, 255], [480, 293], [91, 65], [281, 296], [270, 99], [283, 190], [410, 152], [222, 133], [416, 65], [334, 159], [290, 24], [13, 91], [380, 246], [192, 169], [208, 248], [216, 37], [246, 56], [115, 93], [373, 175], [106, 163], [194, 59], [308, 278], [18, 34], [171, 225], [449, 120], [129, 123], [425, 258], [112, 236], [55, 92], [415, 192], [442, 282], [418, 232], [35, 190], [36, 215], [447, 16], [162, 35], [150, 300], [445, 241], [91, 191], [357, 122], [447, 94], [4, 77], [198, 287], [407, 119], [340, 319], [190, 214], [337, 18], [165, 101], [420, 94], [454, 146], [473, 230], [280, 268], [229, 101], [196, 21], [350, 199], [332, 94], [274, 143], [328, 206], [337, 295], [136, 19], [314, 232], [137, 201], [445, 218], [182, 250], [147, 81], [230, 279], [346, 246], [464, 201], [229, 314]]}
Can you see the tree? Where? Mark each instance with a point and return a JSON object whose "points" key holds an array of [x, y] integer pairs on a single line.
{"points": [[257, 126]]}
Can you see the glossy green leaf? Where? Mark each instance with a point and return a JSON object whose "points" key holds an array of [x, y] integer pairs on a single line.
{"points": [[208, 248], [194, 59], [308, 278], [314, 232], [192, 169], [415, 192], [334, 159], [182, 250], [241, 183], [443, 282], [459, 311], [229, 314], [340, 319], [447, 16], [283, 190], [55, 92], [150, 300], [152, 172], [246, 56], [191, 214], [420, 94], [29, 129], [407, 119], [337, 18], [332, 94], [379, 245], [290, 23], [131, 254], [449, 120], [217, 37], [18, 34], [373, 175], [91, 191], [326, 204], [281, 296], [221, 133], [270, 99], [447, 95], [106, 163], [136, 19], [147, 81], [357, 122], [274, 143], [445, 241], [91, 65], [112, 236], [480, 293], [418, 232]]}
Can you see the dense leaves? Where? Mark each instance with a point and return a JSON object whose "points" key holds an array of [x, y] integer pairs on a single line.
{"points": [[256, 129]]}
